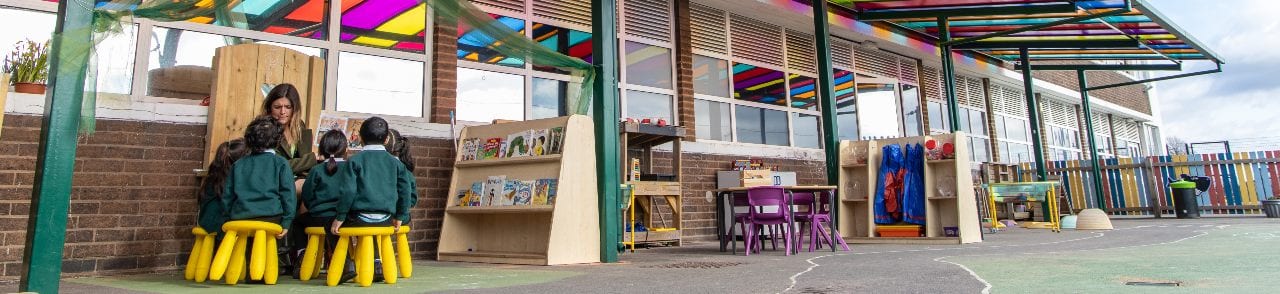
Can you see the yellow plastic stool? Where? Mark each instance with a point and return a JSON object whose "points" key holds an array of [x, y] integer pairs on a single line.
{"points": [[310, 268], [230, 258], [402, 252], [363, 255], [201, 255]]}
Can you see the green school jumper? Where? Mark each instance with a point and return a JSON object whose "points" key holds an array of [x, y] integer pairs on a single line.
{"points": [[212, 214], [322, 192], [379, 184], [261, 186]]}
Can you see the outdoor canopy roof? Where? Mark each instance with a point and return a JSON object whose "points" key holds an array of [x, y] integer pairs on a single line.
{"points": [[1105, 30]]}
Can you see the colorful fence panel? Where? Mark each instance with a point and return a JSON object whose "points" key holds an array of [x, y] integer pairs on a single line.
{"points": [[1138, 186]]}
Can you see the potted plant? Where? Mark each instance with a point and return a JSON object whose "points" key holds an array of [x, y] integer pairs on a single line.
{"points": [[1271, 207], [28, 66]]}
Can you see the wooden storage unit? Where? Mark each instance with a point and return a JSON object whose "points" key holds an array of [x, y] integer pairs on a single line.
{"points": [[239, 74], [642, 138], [953, 205], [565, 232]]}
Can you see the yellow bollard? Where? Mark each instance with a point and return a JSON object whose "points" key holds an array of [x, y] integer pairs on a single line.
{"points": [[339, 260], [220, 260], [388, 260]]}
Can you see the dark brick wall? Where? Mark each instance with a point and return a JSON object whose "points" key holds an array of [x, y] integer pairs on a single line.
{"points": [[684, 69], [1133, 97], [444, 70], [133, 199]]}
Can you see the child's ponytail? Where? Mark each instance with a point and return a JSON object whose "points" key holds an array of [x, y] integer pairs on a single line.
{"points": [[332, 145]]}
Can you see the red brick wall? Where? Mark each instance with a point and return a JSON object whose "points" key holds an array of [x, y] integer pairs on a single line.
{"points": [[133, 201], [1133, 97], [444, 70]]}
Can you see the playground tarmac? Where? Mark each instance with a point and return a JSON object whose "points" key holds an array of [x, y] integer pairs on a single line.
{"points": [[1211, 255]]}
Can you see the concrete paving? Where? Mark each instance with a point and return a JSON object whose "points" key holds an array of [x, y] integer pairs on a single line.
{"points": [[1207, 255]]}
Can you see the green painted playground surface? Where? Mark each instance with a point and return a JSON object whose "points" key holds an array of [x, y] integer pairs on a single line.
{"points": [[425, 279], [1234, 259]]}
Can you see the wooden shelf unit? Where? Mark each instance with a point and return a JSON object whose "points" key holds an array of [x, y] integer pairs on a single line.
{"points": [[860, 164], [566, 232], [640, 140]]}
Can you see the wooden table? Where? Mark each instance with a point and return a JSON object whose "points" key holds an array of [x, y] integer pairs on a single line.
{"points": [[722, 201]]}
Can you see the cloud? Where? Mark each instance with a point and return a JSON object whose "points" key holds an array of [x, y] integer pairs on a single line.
{"points": [[1240, 102]]}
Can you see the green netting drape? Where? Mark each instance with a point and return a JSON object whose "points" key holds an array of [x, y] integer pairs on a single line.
{"points": [[110, 17]]}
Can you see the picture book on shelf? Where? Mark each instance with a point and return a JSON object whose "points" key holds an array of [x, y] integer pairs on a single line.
{"points": [[477, 191], [492, 149], [508, 197], [524, 193], [518, 144], [551, 191], [468, 149], [555, 140], [462, 198], [538, 142], [329, 121], [493, 191], [353, 134], [540, 192]]}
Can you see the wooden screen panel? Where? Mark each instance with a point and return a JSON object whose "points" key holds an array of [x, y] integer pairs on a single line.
{"points": [[239, 74]]}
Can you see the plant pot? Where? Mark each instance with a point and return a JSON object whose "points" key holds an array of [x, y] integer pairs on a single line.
{"points": [[28, 88], [1271, 208]]}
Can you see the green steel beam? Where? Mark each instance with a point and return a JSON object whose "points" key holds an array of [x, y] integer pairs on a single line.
{"points": [[1211, 71], [1033, 115], [826, 92], [1095, 171], [604, 109], [1051, 44], [967, 11], [1107, 67], [1041, 26], [948, 73], [56, 158]]}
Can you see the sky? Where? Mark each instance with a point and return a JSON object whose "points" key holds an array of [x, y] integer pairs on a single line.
{"points": [[1241, 103]]}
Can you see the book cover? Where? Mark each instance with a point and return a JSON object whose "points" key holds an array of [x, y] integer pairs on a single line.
{"points": [[467, 151], [540, 192], [492, 149], [353, 134], [328, 122], [477, 190], [493, 191], [538, 142], [461, 198], [555, 137], [518, 144], [524, 193], [509, 188], [551, 191]]}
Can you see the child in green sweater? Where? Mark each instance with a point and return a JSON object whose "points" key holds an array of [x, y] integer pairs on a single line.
{"points": [[260, 186], [398, 146], [379, 190], [321, 192], [212, 214]]}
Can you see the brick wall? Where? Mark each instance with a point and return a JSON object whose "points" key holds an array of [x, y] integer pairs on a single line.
{"points": [[133, 199], [684, 69], [1133, 97], [444, 70]]}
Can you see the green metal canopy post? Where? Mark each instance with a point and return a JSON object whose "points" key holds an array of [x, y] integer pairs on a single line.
{"points": [[948, 73], [1033, 114], [55, 162], [604, 38], [1095, 171], [826, 92]]}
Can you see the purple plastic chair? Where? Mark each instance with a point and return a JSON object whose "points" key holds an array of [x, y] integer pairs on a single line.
{"points": [[739, 220], [760, 198], [814, 217]]}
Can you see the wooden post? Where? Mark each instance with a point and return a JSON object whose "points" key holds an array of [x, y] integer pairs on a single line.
{"points": [[1152, 193]]}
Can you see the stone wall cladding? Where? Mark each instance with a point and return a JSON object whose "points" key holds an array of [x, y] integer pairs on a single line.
{"points": [[133, 200]]}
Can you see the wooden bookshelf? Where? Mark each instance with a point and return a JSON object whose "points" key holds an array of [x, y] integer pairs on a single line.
{"points": [[958, 209], [565, 232]]}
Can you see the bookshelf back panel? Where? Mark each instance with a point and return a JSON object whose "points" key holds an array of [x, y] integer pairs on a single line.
{"points": [[498, 233]]}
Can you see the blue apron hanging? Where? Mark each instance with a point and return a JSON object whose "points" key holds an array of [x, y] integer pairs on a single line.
{"points": [[913, 187], [888, 207]]}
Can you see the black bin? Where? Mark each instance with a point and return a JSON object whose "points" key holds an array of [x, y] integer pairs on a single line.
{"points": [[1185, 191]]}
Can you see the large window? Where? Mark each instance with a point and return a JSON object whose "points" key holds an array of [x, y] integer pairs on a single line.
{"points": [[1064, 143], [878, 111], [767, 105], [713, 120], [939, 118], [115, 60], [1014, 139], [761, 126], [485, 95], [379, 85], [911, 110]]}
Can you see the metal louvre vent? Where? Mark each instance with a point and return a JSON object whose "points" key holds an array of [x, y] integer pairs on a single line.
{"points": [[1061, 114], [841, 54], [571, 11], [876, 62], [962, 94], [1009, 101], [1100, 126], [755, 40], [907, 71], [709, 30], [648, 19], [802, 52], [1127, 129], [977, 94], [932, 84], [512, 5]]}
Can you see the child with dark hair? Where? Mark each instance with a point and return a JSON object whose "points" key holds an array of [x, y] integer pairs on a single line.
{"points": [[212, 214], [321, 192], [260, 185], [379, 189], [398, 146]]}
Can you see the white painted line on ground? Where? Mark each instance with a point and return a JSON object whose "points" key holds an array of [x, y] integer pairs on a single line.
{"points": [[986, 287]]}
